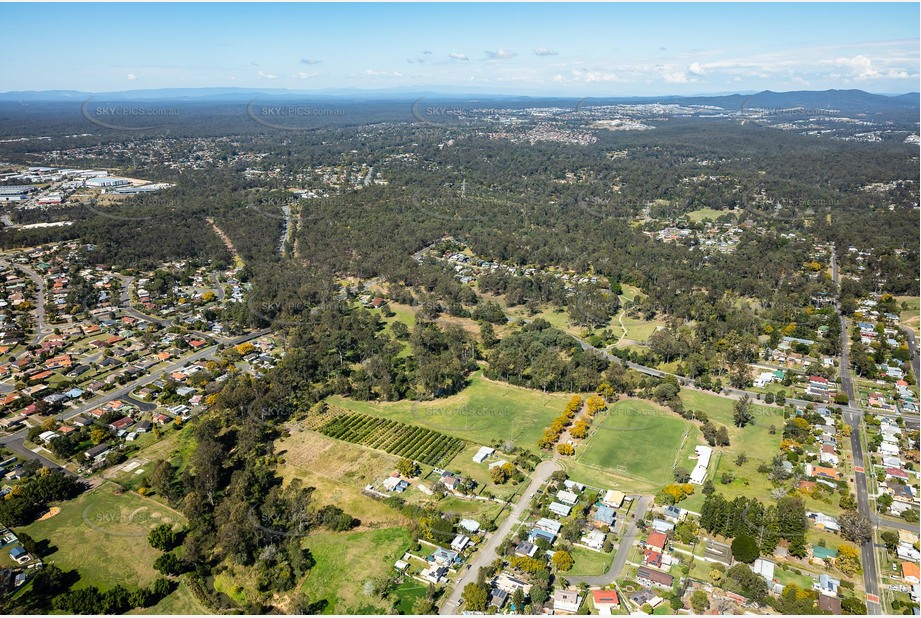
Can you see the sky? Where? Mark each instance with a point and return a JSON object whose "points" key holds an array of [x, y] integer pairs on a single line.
{"points": [[616, 49]]}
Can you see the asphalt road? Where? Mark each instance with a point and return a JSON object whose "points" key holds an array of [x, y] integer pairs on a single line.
{"points": [[41, 328], [487, 553], [854, 417], [623, 548], [15, 441], [913, 348]]}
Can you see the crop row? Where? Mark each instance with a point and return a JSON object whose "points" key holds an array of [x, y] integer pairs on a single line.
{"points": [[417, 443]]}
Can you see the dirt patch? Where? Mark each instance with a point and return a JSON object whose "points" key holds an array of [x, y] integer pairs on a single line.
{"points": [[51, 513], [335, 460]]}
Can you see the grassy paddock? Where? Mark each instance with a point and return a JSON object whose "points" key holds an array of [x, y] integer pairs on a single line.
{"points": [[345, 561], [634, 447], [103, 535], [485, 412]]}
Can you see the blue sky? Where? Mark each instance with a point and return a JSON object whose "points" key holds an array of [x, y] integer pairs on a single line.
{"points": [[553, 49]]}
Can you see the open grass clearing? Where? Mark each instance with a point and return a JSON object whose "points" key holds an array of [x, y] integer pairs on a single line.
{"points": [[345, 561], [634, 447], [338, 471], [103, 535], [485, 412]]}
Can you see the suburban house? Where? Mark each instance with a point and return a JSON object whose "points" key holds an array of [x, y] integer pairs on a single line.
{"points": [[652, 577], [660, 525], [566, 602], [567, 497], [98, 453], [605, 601], [911, 573], [830, 604], [594, 539], [827, 585], [526, 548], [613, 498], [460, 542], [444, 557], [560, 509], [657, 540], [548, 525], [718, 552], [604, 516]]}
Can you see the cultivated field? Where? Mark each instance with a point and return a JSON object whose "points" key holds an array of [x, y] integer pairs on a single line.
{"points": [[410, 441], [485, 412]]}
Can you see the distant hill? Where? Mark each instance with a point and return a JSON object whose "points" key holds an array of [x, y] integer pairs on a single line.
{"points": [[848, 101]]}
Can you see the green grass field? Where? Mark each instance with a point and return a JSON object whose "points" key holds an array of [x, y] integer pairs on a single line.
{"points": [[588, 562], [103, 535], [637, 330], [910, 317], [706, 213], [345, 561], [754, 441], [408, 593], [634, 447], [485, 412]]}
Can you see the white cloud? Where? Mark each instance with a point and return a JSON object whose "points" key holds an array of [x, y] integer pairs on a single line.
{"points": [[860, 65], [264, 75], [500, 54], [131, 77], [373, 73], [302, 75], [696, 69], [673, 76], [458, 56], [543, 51], [587, 77]]}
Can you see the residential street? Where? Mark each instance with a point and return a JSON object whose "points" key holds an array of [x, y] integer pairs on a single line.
{"points": [[623, 547], [487, 552]]}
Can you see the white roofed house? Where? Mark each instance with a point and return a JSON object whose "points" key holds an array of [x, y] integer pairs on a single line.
{"points": [[460, 542], [566, 601], [699, 474], [482, 454], [613, 498], [560, 509], [567, 497]]}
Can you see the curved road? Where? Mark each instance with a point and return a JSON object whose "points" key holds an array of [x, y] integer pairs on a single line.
{"points": [[623, 548], [41, 328]]}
